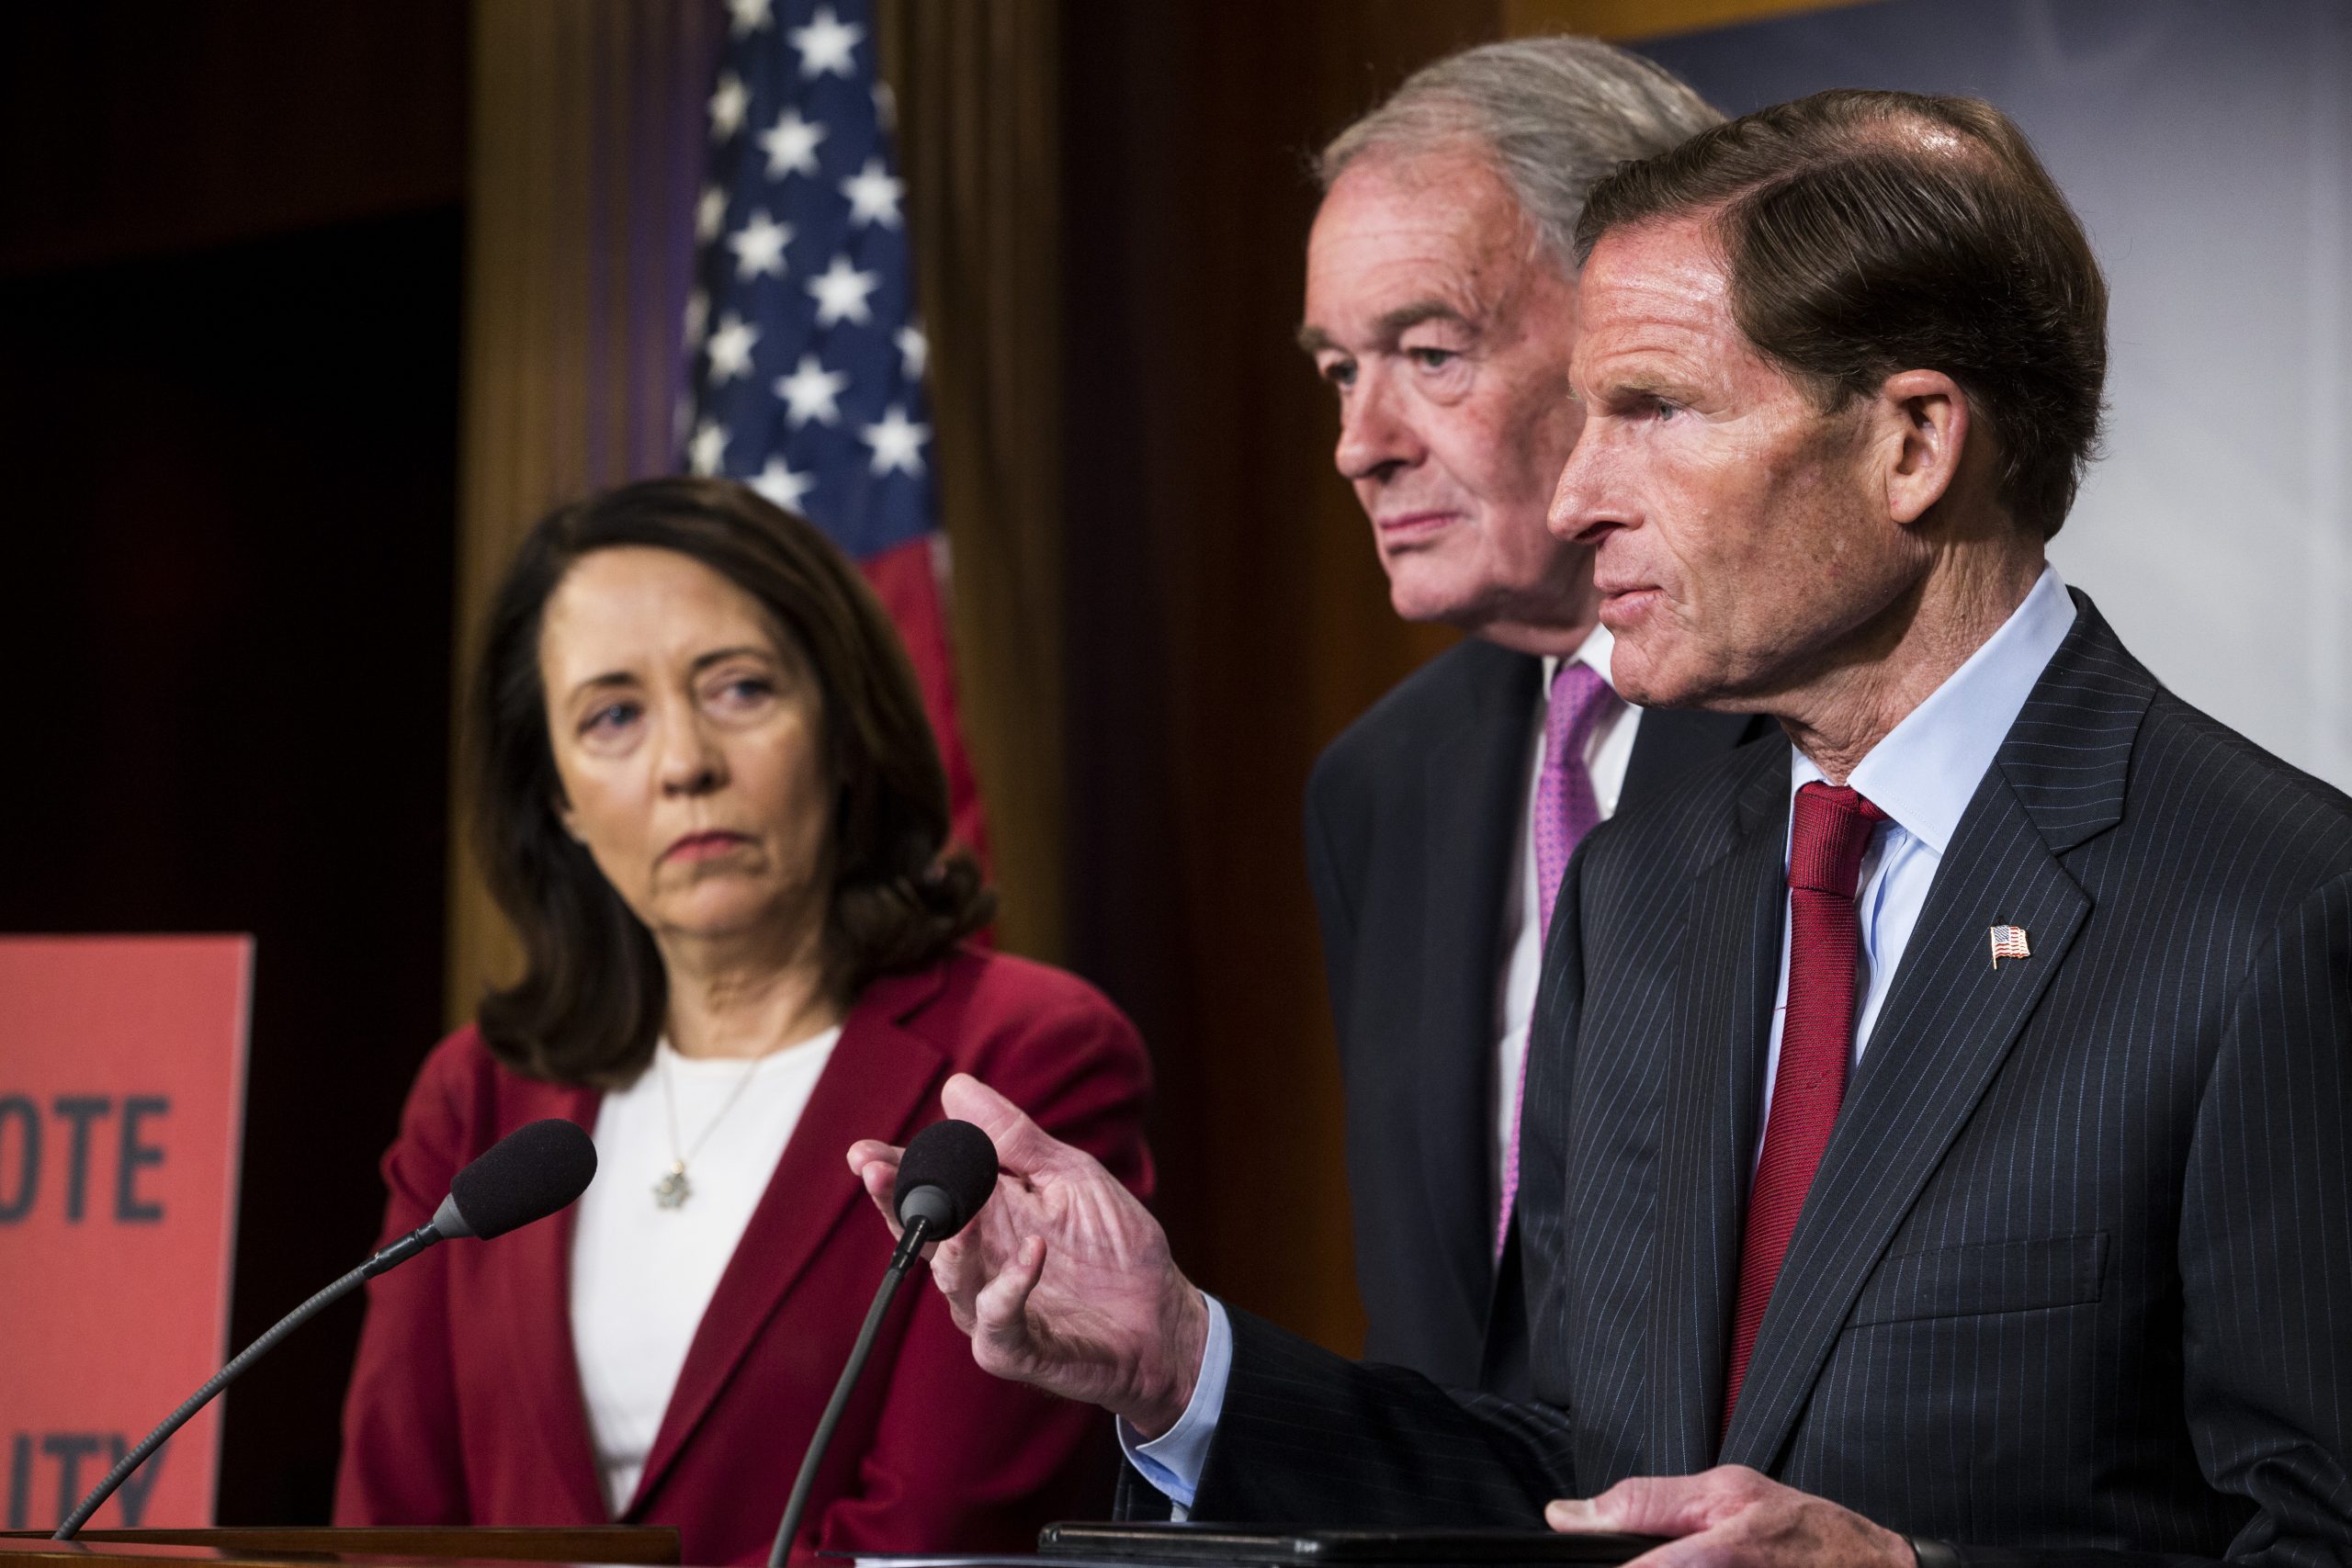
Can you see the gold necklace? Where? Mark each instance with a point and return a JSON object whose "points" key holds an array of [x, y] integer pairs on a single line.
{"points": [[672, 1190]]}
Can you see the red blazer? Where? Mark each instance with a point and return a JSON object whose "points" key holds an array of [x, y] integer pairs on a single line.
{"points": [[465, 1405]]}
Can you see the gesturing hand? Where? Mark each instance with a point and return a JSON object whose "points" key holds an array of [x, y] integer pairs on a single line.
{"points": [[1731, 1516], [1063, 1279]]}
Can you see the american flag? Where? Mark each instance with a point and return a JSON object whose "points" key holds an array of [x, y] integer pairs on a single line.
{"points": [[2008, 941], [807, 356]]}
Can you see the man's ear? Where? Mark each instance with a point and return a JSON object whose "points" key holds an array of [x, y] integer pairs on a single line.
{"points": [[1924, 419]]}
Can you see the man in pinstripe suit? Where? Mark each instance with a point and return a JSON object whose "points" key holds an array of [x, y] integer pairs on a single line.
{"points": [[1939, 1140]]}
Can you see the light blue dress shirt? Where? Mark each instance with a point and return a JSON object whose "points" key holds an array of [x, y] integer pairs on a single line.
{"points": [[1922, 775]]}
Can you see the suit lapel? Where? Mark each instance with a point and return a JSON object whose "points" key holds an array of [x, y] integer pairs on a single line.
{"points": [[1707, 1124], [1473, 781], [1951, 1017], [878, 1081], [534, 1266]]}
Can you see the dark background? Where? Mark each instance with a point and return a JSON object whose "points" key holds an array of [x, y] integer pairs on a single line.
{"points": [[231, 243]]}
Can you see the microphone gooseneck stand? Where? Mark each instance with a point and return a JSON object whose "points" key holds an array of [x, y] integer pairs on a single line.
{"points": [[528, 1174], [399, 1252], [917, 1230]]}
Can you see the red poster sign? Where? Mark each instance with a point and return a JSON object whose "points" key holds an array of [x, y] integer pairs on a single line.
{"points": [[121, 1096]]}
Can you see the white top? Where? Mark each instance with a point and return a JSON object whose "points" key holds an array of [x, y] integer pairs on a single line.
{"points": [[1606, 755], [642, 1274]]}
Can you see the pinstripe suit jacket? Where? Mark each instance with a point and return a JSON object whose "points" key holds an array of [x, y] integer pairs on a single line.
{"points": [[2075, 1272], [1413, 819]]}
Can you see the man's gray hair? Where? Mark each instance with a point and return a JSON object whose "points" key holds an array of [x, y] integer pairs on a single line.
{"points": [[1552, 115]]}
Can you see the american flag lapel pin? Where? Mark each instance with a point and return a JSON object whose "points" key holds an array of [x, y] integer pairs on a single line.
{"points": [[2008, 941]]}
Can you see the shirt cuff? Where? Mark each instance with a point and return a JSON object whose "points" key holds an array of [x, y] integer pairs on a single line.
{"points": [[1172, 1461]]}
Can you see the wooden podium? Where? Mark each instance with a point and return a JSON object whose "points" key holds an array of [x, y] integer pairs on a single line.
{"points": [[629, 1546]]}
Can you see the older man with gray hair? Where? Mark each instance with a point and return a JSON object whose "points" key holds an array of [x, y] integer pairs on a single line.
{"points": [[1442, 309]]}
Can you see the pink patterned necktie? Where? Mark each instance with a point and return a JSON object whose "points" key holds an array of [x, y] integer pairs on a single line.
{"points": [[1565, 810]]}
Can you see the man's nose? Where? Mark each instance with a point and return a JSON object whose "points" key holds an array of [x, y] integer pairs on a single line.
{"points": [[1376, 436], [1577, 512]]}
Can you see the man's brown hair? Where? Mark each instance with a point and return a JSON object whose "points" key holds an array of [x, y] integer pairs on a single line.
{"points": [[1872, 232]]}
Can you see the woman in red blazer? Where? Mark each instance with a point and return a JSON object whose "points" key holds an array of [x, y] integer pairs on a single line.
{"points": [[712, 806]]}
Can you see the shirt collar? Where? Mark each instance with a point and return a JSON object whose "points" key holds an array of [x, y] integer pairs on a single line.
{"points": [[1594, 650], [1923, 773]]}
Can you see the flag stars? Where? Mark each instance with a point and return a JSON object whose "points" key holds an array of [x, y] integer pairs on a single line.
{"points": [[730, 349], [726, 106], [759, 247], [897, 442], [759, 336], [811, 391], [826, 45], [791, 145], [781, 486], [711, 214], [874, 195], [708, 448], [841, 292]]}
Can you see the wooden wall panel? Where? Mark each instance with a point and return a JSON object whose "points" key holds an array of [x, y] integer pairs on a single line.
{"points": [[978, 134], [1633, 19], [587, 154], [1227, 615]]}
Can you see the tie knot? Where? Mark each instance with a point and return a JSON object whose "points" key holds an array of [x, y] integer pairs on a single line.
{"points": [[1828, 839], [1580, 698]]}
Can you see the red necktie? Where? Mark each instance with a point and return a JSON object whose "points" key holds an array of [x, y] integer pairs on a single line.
{"points": [[1826, 840]]}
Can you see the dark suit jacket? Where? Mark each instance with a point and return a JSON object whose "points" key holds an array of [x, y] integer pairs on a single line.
{"points": [[2075, 1272], [464, 1405], [1412, 816]]}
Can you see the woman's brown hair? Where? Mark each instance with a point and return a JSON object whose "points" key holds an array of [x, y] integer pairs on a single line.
{"points": [[589, 1004]]}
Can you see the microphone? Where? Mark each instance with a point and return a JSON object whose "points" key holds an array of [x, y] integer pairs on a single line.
{"points": [[526, 1175], [945, 1177]]}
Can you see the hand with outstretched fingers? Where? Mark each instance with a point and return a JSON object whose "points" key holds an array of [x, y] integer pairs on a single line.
{"points": [[1063, 1279], [1732, 1516]]}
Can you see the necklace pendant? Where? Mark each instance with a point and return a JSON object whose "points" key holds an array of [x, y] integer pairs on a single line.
{"points": [[673, 1190]]}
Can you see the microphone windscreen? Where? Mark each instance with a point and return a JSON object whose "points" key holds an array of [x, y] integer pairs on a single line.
{"points": [[957, 1159], [526, 1175]]}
